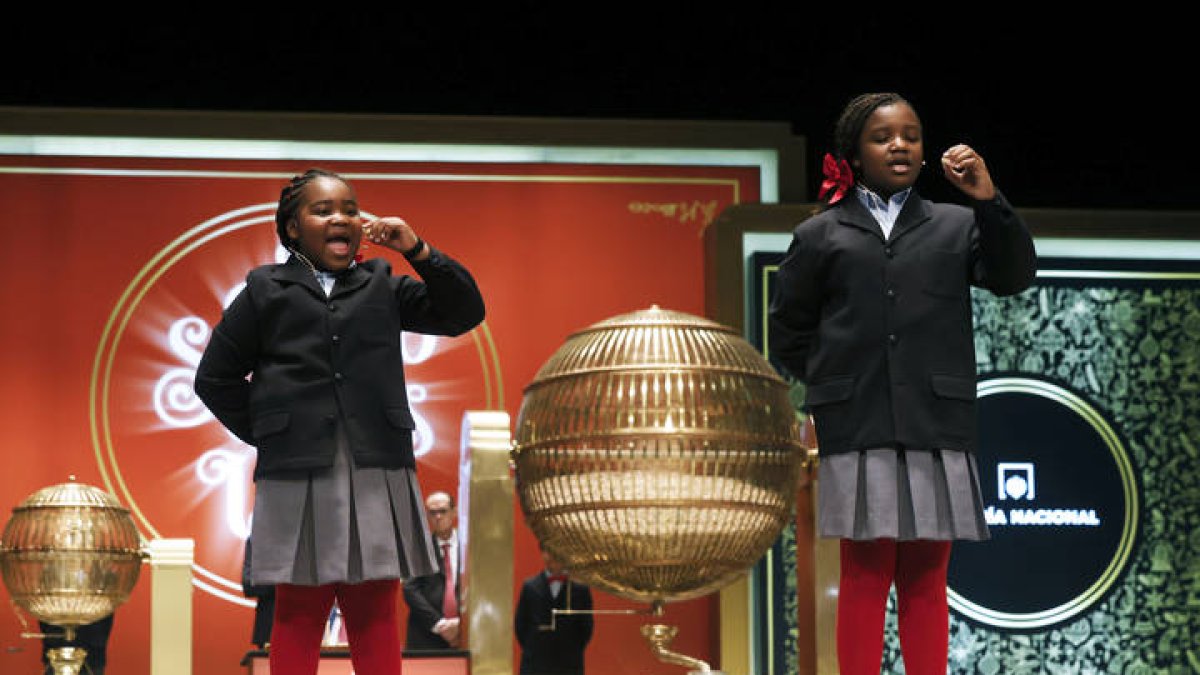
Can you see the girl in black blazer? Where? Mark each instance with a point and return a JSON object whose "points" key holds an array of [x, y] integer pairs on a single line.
{"points": [[873, 313], [306, 365]]}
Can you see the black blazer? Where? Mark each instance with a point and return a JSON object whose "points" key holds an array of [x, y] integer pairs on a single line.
{"points": [[557, 652], [308, 353], [880, 331], [424, 596]]}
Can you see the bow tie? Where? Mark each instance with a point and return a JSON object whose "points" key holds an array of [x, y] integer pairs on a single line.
{"points": [[556, 577]]}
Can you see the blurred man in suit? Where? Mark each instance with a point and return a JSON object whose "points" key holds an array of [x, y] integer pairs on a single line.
{"points": [[433, 612], [558, 651]]}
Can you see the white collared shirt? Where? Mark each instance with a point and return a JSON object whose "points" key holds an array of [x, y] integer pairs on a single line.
{"points": [[884, 211], [328, 279]]}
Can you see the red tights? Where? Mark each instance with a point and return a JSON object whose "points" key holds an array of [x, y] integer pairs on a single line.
{"points": [[918, 569], [369, 610]]}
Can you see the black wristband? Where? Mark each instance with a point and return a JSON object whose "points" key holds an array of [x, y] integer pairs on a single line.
{"points": [[415, 251]]}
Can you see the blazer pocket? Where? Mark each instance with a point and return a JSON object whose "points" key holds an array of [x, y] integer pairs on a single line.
{"points": [[952, 386], [830, 391], [270, 423], [944, 273], [400, 418]]}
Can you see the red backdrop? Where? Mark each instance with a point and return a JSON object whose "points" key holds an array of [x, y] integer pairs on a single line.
{"points": [[125, 264]]}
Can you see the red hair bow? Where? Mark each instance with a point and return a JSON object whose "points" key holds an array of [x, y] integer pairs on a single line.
{"points": [[838, 177]]}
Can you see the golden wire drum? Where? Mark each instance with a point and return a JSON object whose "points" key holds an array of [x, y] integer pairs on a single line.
{"points": [[657, 455], [70, 554]]}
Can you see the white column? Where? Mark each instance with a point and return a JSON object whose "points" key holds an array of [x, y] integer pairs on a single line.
{"points": [[171, 606]]}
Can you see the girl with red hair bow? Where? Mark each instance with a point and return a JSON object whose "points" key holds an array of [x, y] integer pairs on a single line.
{"points": [[872, 312]]}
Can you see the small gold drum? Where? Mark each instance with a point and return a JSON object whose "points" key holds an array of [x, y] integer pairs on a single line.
{"points": [[70, 555]]}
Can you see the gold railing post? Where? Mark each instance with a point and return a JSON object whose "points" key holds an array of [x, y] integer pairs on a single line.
{"points": [[735, 627], [826, 563], [485, 503]]}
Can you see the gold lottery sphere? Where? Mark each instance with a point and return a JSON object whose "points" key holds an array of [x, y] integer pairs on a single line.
{"points": [[70, 554], [657, 455]]}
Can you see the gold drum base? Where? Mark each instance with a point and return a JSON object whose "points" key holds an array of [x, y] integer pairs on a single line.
{"points": [[66, 660]]}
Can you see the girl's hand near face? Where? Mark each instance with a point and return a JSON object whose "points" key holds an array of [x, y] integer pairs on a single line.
{"points": [[966, 170], [395, 234]]}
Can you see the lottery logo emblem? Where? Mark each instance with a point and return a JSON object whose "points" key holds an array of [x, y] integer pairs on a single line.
{"points": [[1063, 511], [1014, 480]]}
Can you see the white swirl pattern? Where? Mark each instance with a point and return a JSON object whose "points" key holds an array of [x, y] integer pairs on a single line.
{"points": [[221, 466], [423, 435], [175, 401]]}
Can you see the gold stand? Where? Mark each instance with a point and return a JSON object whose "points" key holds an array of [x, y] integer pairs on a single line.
{"points": [[62, 660], [660, 636], [66, 660]]}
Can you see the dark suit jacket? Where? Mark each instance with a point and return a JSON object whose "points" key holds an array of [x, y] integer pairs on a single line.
{"points": [[557, 652], [424, 596], [312, 356], [880, 331]]}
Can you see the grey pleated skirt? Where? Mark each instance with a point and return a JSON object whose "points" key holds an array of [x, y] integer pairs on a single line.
{"points": [[886, 493], [340, 525]]}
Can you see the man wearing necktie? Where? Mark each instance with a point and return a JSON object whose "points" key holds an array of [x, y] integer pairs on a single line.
{"points": [[558, 651], [433, 611]]}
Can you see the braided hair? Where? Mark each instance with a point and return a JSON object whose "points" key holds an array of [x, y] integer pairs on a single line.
{"points": [[289, 200], [848, 130], [849, 126]]}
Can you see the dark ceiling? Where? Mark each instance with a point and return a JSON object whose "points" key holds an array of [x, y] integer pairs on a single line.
{"points": [[1073, 115]]}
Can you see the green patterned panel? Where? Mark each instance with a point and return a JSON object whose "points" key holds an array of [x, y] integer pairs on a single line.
{"points": [[1132, 345]]}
